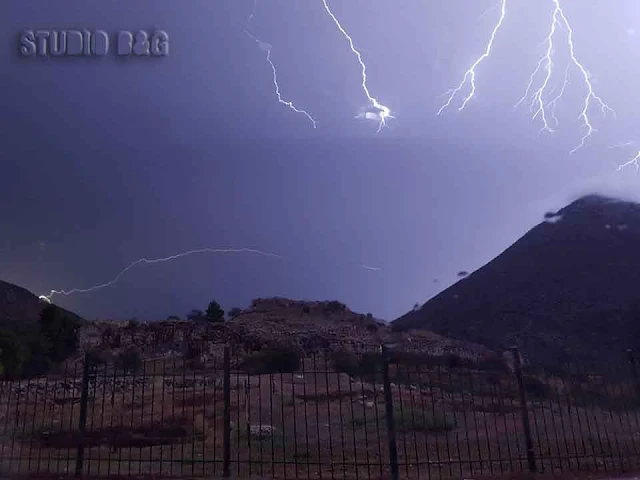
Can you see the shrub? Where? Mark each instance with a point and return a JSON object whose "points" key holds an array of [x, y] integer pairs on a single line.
{"points": [[234, 312], [196, 316], [173, 318], [420, 360], [26, 351], [193, 356], [214, 313], [334, 307], [61, 333], [274, 360], [495, 363], [133, 323], [97, 357], [373, 327], [424, 420], [368, 365], [129, 360], [535, 387], [345, 362], [13, 354]]}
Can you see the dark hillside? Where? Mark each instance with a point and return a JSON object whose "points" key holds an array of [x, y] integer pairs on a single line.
{"points": [[570, 286]]}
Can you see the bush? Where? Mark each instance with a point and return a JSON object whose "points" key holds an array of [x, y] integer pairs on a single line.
{"points": [[196, 316], [173, 318], [493, 363], [132, 324], [26, 351], [373, 327], [334, 307], [13, 354], [367, 365], [215, 313], [536, 388], [274, 360], [427, 420], [234, 312], [129, 360], [97, 357], [61, 333], [193, 356], [420, 360]]}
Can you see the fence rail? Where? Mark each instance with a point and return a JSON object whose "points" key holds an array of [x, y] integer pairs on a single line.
{"points": [[366, 415]]}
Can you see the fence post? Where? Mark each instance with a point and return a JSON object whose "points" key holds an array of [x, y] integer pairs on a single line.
{"points": [[226, 441], [389, 414], [82, 422], [634, 372], [526, 426], [247, 386]]}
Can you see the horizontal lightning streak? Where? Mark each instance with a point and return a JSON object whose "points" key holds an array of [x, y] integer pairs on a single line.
{"points": [[146, 261], [367, 267]]}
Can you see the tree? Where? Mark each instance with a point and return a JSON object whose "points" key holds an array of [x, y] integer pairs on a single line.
{"points": [[215, 313], [234, 312]]}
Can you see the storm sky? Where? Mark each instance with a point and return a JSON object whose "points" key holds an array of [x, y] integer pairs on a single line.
{"points": [[104, 161]]}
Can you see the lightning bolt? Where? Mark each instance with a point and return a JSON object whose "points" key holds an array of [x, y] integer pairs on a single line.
{"points": [[470, 74], [145, 261], [267, 48], [635, 161], [558, 19], [542, 109], [383, 112]]}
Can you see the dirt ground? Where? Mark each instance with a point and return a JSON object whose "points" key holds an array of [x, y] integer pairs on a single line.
{"points": [[316, 424]]}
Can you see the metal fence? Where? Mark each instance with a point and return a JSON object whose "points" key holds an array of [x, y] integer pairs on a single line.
{"points": [[365, 415]]}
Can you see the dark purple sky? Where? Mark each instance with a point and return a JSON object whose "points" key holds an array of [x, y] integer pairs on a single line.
{"points": [[106, 161]]}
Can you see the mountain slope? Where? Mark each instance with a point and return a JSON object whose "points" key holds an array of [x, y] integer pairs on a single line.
{"points": [[19, 306], [570, 286]]}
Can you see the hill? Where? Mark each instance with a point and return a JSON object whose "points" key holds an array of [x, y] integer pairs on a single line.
{"points": [[268, 323], [567, 289]]}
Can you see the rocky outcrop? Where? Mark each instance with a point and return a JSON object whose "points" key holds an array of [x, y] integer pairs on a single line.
{"points": [[308, 326]]}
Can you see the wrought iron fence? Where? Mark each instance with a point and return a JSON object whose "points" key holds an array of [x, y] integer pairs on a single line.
{"points": [[368, 415]]}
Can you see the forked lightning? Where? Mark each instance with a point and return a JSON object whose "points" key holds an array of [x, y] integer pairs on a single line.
{"points": [[543, 105]]}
